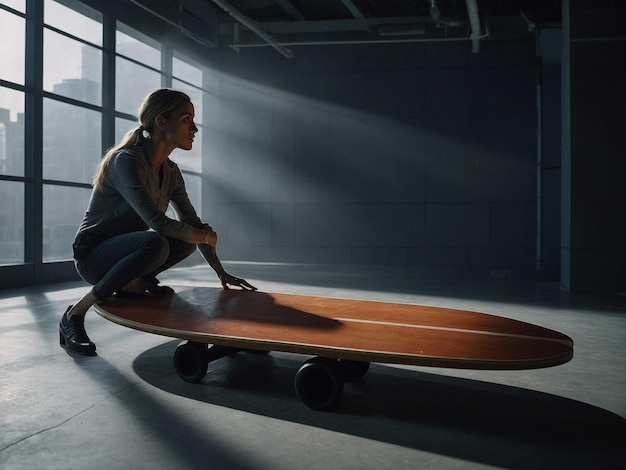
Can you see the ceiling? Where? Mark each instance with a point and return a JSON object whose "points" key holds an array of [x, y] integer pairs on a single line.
{"points": [[311, 10], [284, 23]]}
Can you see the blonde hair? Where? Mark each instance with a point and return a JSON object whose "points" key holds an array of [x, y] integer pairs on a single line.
{"points": [[163, 101]]}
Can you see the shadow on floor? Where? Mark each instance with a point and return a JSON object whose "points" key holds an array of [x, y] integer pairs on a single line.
{"points": [[475, 421]]}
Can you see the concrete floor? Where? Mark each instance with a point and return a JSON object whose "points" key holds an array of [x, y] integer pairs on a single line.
{"points": [[127, 408]]}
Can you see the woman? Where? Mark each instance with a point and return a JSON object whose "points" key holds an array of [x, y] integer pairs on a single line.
{"points": [[125, 239]]}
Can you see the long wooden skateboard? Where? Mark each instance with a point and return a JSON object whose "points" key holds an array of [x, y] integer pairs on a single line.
{"points": [[344, 335]]}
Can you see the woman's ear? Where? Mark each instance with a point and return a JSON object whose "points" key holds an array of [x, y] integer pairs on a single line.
{"points": [[160, 121]]}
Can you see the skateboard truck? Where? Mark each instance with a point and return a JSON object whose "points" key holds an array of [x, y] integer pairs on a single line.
{"points": [[191, 360], [318, 383]]}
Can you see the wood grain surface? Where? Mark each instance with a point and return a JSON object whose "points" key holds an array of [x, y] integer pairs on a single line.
{"points": [[351, 329]]}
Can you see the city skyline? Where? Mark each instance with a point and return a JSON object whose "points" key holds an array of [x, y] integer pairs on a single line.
{"points": [[55, 71]]}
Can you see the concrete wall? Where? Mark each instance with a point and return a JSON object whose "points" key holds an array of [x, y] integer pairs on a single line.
{"points": [[405, 154], [594, 156]]}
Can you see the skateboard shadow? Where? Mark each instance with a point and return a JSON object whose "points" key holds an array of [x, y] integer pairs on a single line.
{"points": [[475, 421], [248, 306]]}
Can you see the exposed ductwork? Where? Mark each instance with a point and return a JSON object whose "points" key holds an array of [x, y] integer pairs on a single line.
{"points": [[253, 26], [165, 13], [431, 24], [474, 20]]}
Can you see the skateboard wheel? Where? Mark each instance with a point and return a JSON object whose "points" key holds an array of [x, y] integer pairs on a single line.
{"points": [[354, 369], [319, 383], [191, 362]]}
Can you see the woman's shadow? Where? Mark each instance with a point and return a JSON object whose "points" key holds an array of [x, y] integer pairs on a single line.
{"points": [[195, 305]]}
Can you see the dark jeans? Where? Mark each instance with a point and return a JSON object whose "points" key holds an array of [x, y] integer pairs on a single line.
{"points": [[115, 262]]}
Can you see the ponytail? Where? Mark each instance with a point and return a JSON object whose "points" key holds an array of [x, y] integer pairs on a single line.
{"points": [[132, 138]]}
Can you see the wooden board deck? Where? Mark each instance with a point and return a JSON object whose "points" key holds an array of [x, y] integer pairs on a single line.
{"points": [[359, 330]]}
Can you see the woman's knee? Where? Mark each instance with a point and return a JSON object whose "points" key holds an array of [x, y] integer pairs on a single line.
{"points": [[158, 246], [180, 250]]}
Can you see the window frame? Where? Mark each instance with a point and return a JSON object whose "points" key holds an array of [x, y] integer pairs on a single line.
{"points": [[34, 270]]}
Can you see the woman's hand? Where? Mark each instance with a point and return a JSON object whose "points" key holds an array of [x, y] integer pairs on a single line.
{"points": [[228, 280]]}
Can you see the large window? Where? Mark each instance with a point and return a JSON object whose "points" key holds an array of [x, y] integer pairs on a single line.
{"points": [[72, 68], [12, 222], [11, 132], [63, 209], [134, 81], [63, 101], [12, 52], [72, 143], [71, 131], [137, 69], [12, 99]]}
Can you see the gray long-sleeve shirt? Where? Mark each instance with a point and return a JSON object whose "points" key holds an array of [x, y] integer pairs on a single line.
{"points": [[134, 197]]}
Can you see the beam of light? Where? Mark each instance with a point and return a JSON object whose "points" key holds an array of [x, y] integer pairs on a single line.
{"points": [[353, 175]]}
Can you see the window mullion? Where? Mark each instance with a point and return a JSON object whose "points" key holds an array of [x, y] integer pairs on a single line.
{"points": [[108, 82], [167, 53], [33, 200]]}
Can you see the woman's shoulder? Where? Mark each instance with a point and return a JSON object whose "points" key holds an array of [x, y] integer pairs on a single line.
{"points": [[130, 156], [129, 163], [130, 152]]}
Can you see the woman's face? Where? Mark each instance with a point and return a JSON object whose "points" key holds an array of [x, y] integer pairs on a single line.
{"points": [[179, 128]]}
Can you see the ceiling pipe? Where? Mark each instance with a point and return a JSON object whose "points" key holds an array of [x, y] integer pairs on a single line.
{"points": [[253, 26], [179, 26], [434, 11], [474, 19], [360, 41]]}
